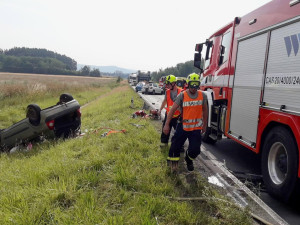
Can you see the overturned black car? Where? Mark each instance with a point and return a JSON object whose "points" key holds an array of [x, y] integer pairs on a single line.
{"points": [[60, 120]]}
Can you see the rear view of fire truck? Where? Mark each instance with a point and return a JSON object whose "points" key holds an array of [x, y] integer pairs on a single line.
{"points": [[251, 75]]}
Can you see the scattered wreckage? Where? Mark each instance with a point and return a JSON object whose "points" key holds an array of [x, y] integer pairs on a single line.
{"points": [[61, 120], [153, 114]]}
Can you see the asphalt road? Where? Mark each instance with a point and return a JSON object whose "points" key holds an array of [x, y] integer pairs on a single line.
{"points": [[245, 166]]}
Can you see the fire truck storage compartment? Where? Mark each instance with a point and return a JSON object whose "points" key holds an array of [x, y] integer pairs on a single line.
{"points": [[247, 88], [282, 82]]}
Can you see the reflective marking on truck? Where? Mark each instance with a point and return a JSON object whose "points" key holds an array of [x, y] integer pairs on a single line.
{"points": [[217, 81]]}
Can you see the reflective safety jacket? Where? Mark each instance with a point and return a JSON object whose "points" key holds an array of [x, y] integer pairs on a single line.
{"points": [[170, 102], [192, 112]]}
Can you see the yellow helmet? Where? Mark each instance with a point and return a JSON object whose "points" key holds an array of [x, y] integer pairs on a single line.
{"points": [[193, 80], [170, 79]]}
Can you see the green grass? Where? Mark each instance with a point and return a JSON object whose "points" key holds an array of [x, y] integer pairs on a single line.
{"points": [[118, 179]]}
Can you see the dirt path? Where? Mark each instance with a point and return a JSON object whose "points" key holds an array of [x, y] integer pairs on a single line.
{"points": [[121, 88]]}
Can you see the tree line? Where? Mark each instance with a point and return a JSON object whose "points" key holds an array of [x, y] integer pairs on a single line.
{"points": [[42, 61], [70, 63], [180, 70]]}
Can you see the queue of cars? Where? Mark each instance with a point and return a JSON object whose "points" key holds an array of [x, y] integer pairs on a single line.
{"points": [[149, 88], [152, 88]]}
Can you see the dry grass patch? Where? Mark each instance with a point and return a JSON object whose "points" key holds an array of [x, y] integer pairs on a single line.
{"points": [[12, 84]]}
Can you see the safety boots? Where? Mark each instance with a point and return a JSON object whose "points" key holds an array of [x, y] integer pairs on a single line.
{"points": [[189, 163], [173, 166], [163, 145]]}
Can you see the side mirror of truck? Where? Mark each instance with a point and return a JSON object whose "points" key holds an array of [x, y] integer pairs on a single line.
{"points": [[197, 61], [197, 57]]}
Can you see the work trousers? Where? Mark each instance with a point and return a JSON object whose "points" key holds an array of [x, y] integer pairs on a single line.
{"points": [[173, 124], [178, 140]]}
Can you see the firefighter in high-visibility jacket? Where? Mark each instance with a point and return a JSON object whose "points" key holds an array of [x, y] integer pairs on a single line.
{"points": [[171, 93], [194, 113]]}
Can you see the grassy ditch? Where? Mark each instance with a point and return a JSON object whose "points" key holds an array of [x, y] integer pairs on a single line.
{"points": [[121, 178]]}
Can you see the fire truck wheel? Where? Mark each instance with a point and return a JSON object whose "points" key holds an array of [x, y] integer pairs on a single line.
{"points": [[280, 163], [33, 113]]}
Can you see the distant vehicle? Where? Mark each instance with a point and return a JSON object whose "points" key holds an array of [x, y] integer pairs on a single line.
{"points": [[143, 76], [139, 76], [139, 86], [152, 88], [60, 120], [132, 79]]}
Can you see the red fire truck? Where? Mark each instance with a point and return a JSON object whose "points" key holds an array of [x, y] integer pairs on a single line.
{"points": [[251, 74]]}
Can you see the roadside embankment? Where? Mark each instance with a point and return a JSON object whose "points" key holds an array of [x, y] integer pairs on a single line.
{"points": [[108, 178]]}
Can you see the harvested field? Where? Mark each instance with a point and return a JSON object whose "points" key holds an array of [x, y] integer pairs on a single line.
{"points": [[12, 84]]}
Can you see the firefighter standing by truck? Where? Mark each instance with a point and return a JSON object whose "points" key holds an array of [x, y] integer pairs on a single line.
{"points": [[194, 114], [171, 94]]}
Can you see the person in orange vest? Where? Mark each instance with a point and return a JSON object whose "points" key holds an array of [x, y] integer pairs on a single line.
{"points": [[194, 113], [170, 96]]}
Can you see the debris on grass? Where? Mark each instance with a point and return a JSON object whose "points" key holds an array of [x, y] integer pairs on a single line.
{"points": [[140, 113], [112, 132], [154, 114], [137, 125]]}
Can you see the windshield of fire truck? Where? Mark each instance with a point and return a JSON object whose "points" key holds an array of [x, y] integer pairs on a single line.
{"points": [[226, 45]]}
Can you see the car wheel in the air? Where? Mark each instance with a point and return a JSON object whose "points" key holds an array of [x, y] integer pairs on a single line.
{"points": [[65, 98], [33, 113]]}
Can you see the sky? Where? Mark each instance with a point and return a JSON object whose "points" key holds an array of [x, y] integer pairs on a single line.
{"points": [[132, 34]]}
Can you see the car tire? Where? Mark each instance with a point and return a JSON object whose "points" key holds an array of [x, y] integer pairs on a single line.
{"points": [[153, 92], [65, 98], [33, 113], [279, 163]]}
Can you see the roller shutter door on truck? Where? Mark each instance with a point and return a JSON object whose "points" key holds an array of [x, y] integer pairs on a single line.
{"points": [[282, 83], [247, 88]]}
